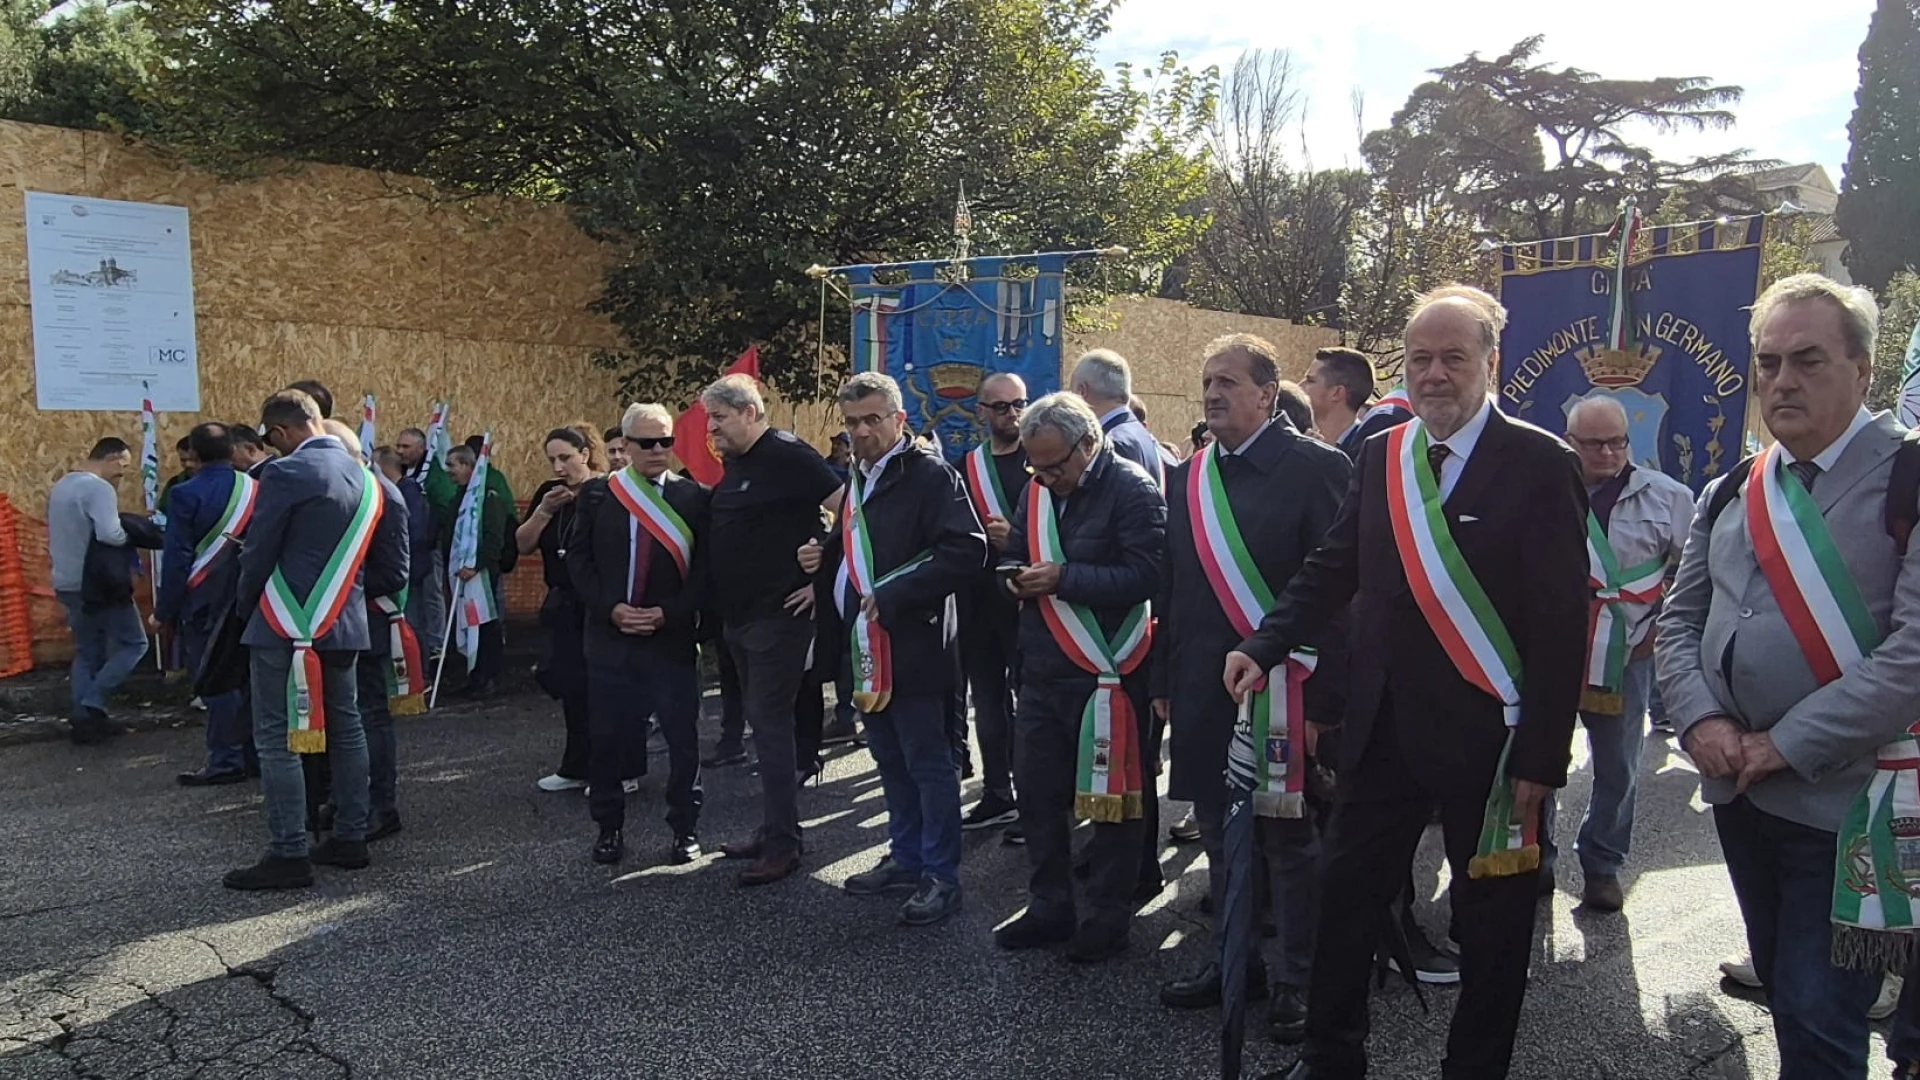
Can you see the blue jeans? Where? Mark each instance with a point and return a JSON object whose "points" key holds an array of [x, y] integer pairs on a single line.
{"points": [[427, 608], [1615, 741], [911, 746], [107, 644], [282, 779], [1782, 874], [227, 726]]}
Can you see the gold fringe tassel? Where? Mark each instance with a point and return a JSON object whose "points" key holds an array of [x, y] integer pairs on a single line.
{"points": [[307, 742], [1508, 863], [1108, 809], [872, 701], [1595, 699], [407, 705]]}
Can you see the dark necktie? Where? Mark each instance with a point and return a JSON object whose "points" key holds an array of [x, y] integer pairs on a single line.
{"points": [[1437, 454], [642, 560], [1806, 472]]}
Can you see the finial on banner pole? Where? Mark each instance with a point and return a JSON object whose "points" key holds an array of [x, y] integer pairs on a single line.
{"points": [[962, 234]]}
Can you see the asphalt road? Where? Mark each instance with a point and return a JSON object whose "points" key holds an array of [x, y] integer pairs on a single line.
{"points": [[484, 943]]}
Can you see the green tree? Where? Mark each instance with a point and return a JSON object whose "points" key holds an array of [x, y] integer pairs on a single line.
{"points": [[1899, 310], [1535, 151], [719, 146], [1879, 210], [83, 67]]}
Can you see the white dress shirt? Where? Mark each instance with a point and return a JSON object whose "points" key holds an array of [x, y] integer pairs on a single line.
{"points": [[1828, 458], [1461, 444]]}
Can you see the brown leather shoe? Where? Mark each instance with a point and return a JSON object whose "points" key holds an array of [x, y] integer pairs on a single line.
{"points": [[741, 849], [769, 868]]}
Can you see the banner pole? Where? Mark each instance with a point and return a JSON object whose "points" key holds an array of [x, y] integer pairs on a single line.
{"points": [[446, 641]]}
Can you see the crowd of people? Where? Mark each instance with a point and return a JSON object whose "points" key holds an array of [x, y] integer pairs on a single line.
{"points": [[1384, 613]]}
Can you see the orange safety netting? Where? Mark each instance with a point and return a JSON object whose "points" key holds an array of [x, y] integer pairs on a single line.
{"points": [[17, 594]]}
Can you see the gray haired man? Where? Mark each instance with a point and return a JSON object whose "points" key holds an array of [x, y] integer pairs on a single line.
{"points": [[1789, 653]]}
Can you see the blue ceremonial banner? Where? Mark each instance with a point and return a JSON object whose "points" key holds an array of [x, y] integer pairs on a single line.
{"points": [[1685, 368], [940, 338]]}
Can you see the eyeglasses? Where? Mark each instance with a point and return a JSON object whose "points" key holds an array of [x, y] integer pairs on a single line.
{"points": [[1002, 408], [1058, 469], [663, 442], [1618, 446]]}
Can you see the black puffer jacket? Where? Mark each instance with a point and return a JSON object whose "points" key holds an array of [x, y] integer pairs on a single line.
{"points": [[107, 578]]}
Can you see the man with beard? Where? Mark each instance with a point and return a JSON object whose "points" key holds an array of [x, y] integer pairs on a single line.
{"points": [[996, 475]]}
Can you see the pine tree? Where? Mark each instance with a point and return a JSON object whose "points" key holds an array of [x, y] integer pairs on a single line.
{"points": [[1879, 210]]}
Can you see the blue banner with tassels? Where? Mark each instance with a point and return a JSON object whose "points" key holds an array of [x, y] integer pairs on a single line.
{"points": [[1684, 366]]}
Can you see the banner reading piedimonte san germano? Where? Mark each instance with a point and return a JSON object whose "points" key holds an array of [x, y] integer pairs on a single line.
{"points": [[1685, 372]]}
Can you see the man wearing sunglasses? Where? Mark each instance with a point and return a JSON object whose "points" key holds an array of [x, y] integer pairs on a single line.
{"points": [[638, 558], [996, 475]]}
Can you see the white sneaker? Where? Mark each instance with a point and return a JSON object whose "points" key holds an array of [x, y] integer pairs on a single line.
{"points": [[556, 782], [1889, 998], [1741, 971]]}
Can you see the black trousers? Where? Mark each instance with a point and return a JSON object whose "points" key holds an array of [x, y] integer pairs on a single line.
{"points": [[371, 672], [628, 681], [771, 655], [991, 662], [1047, 730], [809, 709], [1377, 821]]}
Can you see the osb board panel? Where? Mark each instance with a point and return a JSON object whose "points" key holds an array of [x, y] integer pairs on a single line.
{"points": [[32, 158], [522, 392]]}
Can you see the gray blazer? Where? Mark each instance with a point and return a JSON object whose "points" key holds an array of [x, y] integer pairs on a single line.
{"points": [[1724, 647], [306, 501]]}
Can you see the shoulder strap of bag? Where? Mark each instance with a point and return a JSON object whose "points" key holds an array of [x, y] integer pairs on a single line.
{"points": [[1903, 491]]}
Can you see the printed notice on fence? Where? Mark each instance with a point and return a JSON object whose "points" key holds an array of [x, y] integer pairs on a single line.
{"points": [[112, 294]]}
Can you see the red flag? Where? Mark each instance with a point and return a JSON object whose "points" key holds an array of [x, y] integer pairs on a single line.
{"points": [[691, 443]]}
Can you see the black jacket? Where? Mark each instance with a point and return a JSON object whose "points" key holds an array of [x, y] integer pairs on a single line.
{"points": [[1351, 441], [106, 578], [1113, 535], [601, 549], [918, 505], [1518, 513], [1284, 494]]}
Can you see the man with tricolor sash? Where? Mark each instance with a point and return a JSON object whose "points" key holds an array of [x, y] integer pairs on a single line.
{"points": [[1637, 522], [1789, 657], [208, 517], [1242, 516], [906, 538], [638, 560], [301, 580], [1085, 555], [392, 674], [1460, 555], [996, 475], [1339, 386]]}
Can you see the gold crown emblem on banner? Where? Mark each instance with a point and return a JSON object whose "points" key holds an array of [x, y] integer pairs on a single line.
{"points": [[953, 380], [1614, 368]]}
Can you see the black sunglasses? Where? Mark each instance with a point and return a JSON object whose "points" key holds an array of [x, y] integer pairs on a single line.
{"points": [[664, 442], [1002, 408]]}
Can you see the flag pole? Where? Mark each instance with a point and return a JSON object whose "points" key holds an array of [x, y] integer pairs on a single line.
{"points": [[446, 633]]}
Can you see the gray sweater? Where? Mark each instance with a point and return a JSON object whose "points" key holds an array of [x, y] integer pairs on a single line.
{"points": [[80, 507]]}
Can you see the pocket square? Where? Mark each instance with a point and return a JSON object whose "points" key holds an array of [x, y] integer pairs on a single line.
{"points": [[1467, 518]]}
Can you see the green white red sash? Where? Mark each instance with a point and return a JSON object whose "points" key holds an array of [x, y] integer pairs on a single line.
{"points": [[1620, 597], [1468, 629], [649, 508], [1877, 876], [303, 623], [983, 483], [405, 696], [1278, 714], [1395, 398], [871, 644], [225, 532], [1108, 777]]}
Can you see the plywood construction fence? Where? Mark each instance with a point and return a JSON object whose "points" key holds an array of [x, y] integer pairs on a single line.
{"points": [[328, 273]]}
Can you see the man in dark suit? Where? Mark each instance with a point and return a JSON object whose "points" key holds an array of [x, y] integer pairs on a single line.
{"points": [[1087, 545], [638, 558], [1339, 385], [1282, 490], [301, 581], [1105, 382], [201, 564], [909, 537], [1504, 503]]}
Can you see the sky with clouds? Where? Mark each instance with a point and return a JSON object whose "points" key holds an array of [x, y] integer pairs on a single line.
{"points": [[1799, 67]]}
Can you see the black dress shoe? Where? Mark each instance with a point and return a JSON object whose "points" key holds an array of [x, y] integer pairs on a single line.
{"points": [[610, 848], [1093, 944], [1202, 990], [384, 824], [271, 872], [345, 854], [212, 777], [685, 849], [725, 756], [1287, 1017], [1029, 931]]}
